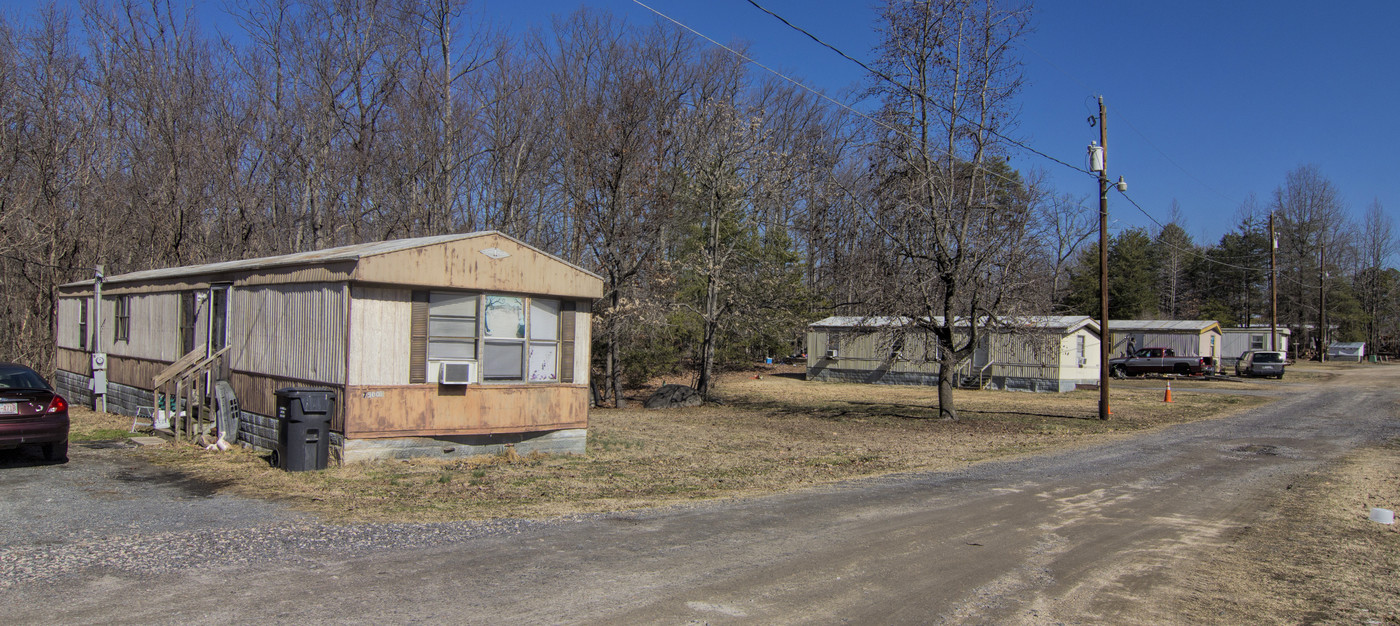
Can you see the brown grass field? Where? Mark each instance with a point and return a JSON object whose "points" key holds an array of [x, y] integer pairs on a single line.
{"points": [[771, 434]]}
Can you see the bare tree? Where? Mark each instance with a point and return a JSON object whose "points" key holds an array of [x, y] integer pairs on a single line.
{"points": [[1311, 220], [954, 222], [1377, 243], [1065, 226], [618, 97]]}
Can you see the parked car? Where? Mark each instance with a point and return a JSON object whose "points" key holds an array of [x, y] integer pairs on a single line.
{"points": [[31, 413], [1261, 363], [1159, 361]]}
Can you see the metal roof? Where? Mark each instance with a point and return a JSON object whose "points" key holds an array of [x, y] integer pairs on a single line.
{"points": [[1282, 330], [1066, 323], [1199, 326], [1354, 345], [353, 252]]}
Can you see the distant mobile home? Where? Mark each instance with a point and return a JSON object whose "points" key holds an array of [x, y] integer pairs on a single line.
{"points": [[1237, 341], [1354, 351], [1185, 337], [375, 323], [1041, 353]]}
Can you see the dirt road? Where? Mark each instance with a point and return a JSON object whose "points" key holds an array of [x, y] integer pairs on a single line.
{"points": [[1087, 536]]}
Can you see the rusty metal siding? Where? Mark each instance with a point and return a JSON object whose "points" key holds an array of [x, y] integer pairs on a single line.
{"points": [[292, 331]]}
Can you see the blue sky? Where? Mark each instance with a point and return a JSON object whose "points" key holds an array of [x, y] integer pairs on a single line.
{"points": [[1208, 102]]}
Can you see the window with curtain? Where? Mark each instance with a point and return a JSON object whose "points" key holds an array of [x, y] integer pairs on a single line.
{"points": [[503, 357], [544, 340], [513, 338]]}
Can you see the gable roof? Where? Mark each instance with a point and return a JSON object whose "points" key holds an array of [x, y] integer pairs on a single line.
{"points": [[1197, 326], [1063, 323], [378, 262], [1282, 330]]}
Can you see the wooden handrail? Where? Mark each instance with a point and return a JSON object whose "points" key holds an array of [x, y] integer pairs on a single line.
{"points": [[180, 365]]}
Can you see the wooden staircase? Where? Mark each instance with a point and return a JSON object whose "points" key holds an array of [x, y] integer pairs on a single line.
{"points": [[185, 391]]}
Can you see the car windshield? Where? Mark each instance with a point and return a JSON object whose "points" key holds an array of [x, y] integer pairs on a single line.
{"points": [[1268, 357], [20, 378]]}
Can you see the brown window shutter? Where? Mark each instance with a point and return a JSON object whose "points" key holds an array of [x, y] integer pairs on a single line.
{"points": [[418, 340], [566, 342]]}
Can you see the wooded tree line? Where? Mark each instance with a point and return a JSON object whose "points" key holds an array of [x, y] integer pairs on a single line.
{"points": [[724, 208], [1334, 271]]}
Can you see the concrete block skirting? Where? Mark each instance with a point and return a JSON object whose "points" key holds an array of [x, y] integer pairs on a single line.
{"points": [[570, 441], [73, 387], [121, 399]]}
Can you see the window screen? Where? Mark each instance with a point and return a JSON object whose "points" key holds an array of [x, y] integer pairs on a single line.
{"points": [[451, 326]]}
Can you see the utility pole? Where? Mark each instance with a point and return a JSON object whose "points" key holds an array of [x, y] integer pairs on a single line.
{"points": [[1273, 285], [1105, 337], [1321, 303]]}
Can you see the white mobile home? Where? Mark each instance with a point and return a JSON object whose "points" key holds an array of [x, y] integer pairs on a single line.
{"points": [[450, 344], [1237, 341], [1040, 353]]}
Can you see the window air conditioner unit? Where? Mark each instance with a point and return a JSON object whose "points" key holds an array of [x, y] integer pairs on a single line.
{"points": [[457, 372], [831, 354]]}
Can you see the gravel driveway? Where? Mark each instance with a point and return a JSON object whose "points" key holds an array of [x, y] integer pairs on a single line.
{"points": [[104, 511]]}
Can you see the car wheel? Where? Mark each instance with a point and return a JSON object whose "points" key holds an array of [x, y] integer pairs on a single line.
{"points": [[1280, 377], [56, 452], [1119, 371]]}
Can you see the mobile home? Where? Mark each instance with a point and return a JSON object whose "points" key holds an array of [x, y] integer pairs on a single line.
{"points": [[1040, 353], [453, 344]]}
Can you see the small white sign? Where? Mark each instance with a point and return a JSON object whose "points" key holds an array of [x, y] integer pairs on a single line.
{"points": [[495, 253]]}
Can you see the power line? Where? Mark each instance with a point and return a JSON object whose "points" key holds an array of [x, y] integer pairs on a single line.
{"points": [[1129, 122], [921, 96], [819, 94]]}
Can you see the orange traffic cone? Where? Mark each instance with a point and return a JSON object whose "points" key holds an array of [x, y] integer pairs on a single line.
{"points": [[1168, 398]]}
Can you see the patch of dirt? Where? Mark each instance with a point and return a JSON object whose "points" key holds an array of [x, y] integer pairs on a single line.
{"points": [[1316, 558]]}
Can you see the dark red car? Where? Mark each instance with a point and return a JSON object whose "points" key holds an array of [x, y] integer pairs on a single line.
{"points": [[31, 413]]}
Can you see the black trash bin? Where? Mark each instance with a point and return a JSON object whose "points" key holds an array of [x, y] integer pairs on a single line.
{"points": [[303, 428]]}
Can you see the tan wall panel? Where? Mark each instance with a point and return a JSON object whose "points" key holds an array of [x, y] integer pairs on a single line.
{"points": [[69, 310], [583, 344], [75, 361], [134, 372], [379, 336], [461, 265], [155, 327], [292, 331], [431, 410]]}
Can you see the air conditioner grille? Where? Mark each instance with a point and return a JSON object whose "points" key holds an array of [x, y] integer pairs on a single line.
{"points": [[456, 373]]}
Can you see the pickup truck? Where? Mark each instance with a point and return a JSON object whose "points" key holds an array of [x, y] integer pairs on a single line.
{"points": [[1158, 361]]}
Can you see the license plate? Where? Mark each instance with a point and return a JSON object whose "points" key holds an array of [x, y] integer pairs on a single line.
{"points": [[9, 408]]}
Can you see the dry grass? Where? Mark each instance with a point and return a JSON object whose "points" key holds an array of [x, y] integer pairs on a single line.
{"points": [[772, 434], [88, 425], [1317, 559]]}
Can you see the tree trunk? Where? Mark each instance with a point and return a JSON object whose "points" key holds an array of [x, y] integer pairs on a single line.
{"points": [[614, 379], [946, 409]]}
